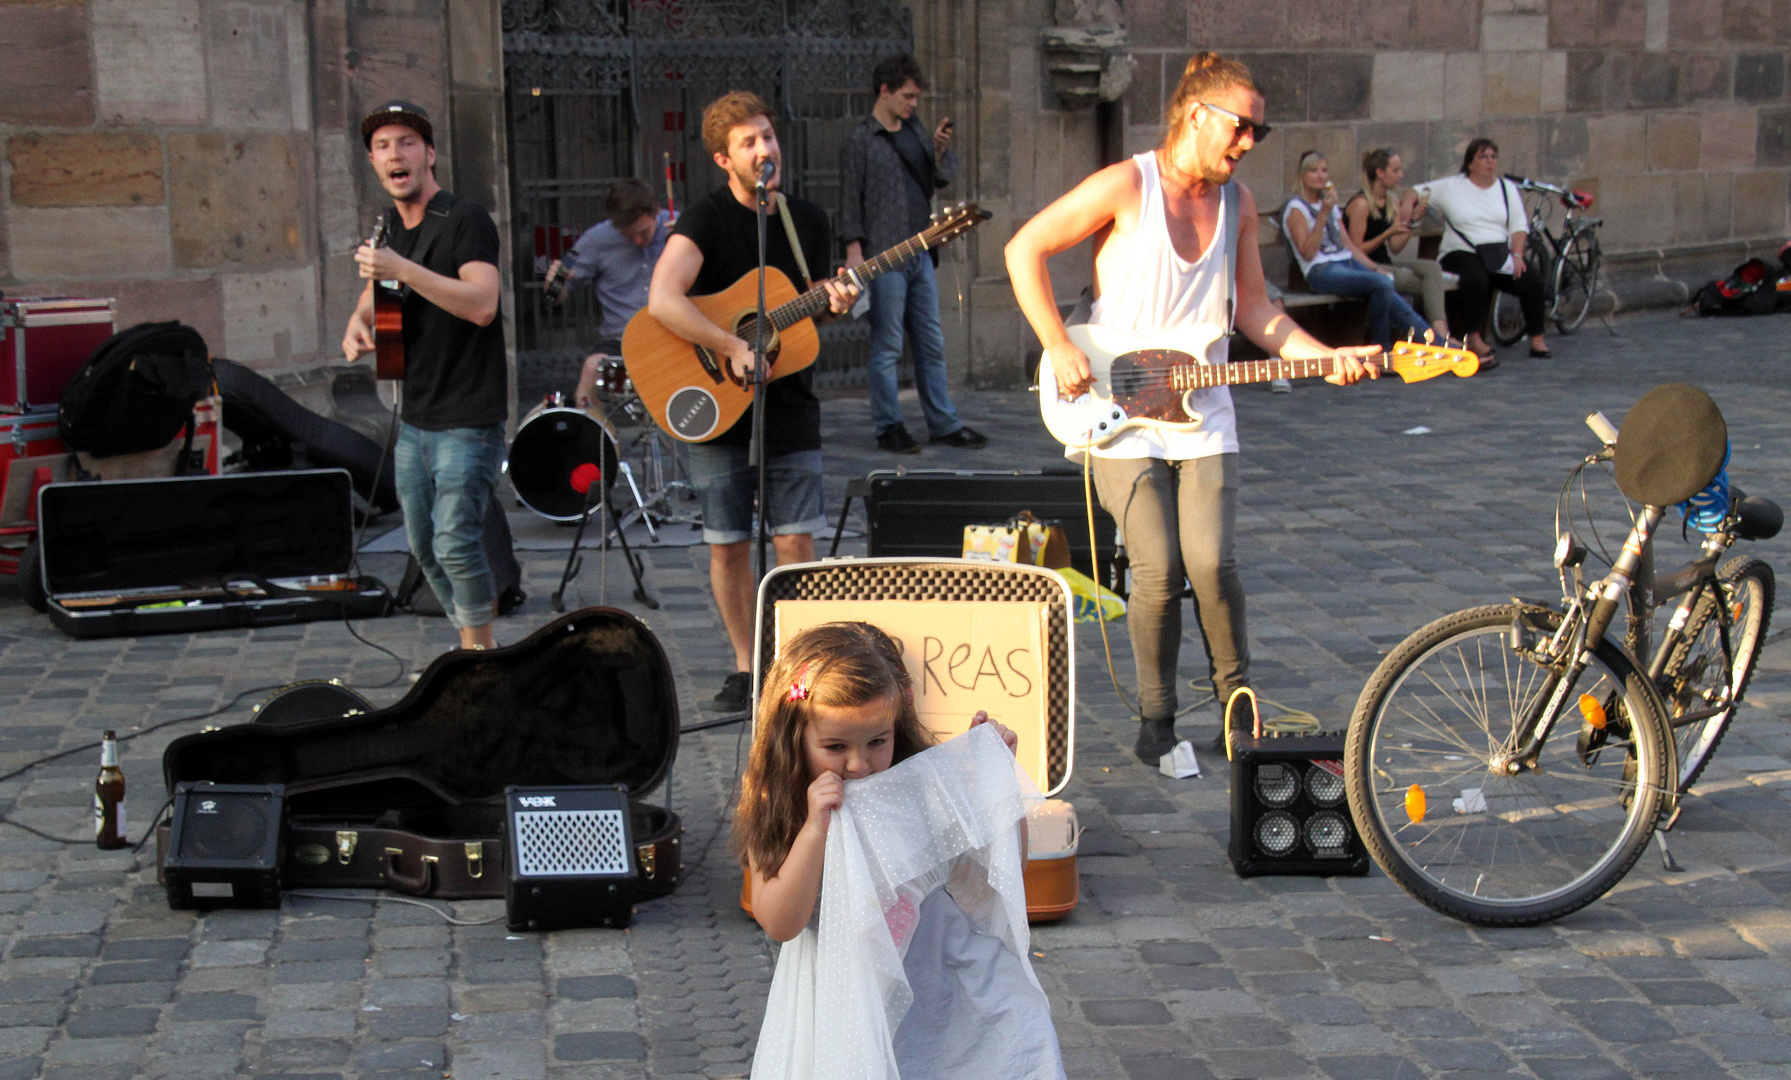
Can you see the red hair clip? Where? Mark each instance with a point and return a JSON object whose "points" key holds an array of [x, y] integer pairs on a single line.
{"points": [[799, 686]]}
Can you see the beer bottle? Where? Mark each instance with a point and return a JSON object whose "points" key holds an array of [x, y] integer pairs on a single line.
{"points": [[108, 797]]}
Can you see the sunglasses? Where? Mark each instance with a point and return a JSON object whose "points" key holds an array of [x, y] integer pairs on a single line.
{"points": [[1243, 125]]}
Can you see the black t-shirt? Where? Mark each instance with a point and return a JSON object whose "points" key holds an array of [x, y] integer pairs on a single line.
{"points": [[728, 236], [454, 371]]}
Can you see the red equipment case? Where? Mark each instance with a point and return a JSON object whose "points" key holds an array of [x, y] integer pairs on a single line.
{"points": [[31, 455], [44, 340]]}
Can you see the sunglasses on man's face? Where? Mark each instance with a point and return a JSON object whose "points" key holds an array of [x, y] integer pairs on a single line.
{"points": [[1242, 125]]}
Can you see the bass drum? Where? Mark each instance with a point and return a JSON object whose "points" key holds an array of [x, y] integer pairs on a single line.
{"points": [[313, 699], [551, 443]]}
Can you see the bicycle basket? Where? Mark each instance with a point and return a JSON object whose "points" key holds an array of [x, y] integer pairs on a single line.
{"points": [[1672, 444]]}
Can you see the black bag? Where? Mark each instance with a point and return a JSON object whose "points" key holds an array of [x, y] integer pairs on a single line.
{"points": [[137, 390], [1752, 289], [416, 597], [1492, 256]]}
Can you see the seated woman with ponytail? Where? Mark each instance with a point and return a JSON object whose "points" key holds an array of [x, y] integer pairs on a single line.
{"points": [[1382, 220], [1333, 263]]}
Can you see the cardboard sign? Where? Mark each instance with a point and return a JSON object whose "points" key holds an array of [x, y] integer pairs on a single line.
{"points": [[961, 655]]}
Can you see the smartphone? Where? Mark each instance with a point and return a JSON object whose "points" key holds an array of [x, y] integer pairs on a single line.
{"points": [[947, 126]]}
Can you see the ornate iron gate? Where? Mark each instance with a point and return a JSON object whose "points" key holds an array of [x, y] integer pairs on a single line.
{"points": [[602, 89]]}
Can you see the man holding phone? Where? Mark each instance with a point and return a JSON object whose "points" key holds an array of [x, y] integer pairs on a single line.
{"points": [[890, 169]]}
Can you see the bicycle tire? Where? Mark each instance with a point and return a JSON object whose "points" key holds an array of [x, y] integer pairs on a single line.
{"points": [[1575, 281], [1698, 741], [1505, 320], [1527, 824]]}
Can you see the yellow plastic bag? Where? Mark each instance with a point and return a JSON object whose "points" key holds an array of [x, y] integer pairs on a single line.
{"points": [[1089, 598]]}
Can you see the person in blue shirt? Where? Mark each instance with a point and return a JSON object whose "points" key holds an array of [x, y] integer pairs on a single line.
{"points": [[617, 256]]}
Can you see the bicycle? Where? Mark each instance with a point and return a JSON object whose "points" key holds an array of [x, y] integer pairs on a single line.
{"points": [[1561, 756], [1571, 263]]}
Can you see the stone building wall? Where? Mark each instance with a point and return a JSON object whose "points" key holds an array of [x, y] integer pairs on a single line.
{"points": [[200, 159]]}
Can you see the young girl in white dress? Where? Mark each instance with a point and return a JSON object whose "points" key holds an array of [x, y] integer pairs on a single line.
{"points": [[891, 869]]}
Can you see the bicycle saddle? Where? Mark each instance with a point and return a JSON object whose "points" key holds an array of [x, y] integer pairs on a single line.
{"points": [[1671, 445]]}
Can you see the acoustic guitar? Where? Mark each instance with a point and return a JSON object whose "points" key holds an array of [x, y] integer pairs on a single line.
{"points": [[1152, 382], [388, 316], [690, 391]]}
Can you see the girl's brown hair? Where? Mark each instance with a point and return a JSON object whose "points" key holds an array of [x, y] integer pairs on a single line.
{"points": [[840, 664], [1376, 160], [1206, 73]]}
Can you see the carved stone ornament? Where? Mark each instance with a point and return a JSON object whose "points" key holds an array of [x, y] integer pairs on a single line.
{"points": [[1086, 64]]}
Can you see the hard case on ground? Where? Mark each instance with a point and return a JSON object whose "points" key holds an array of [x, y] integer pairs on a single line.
{"points": [[411, 797], [29, 442], [44, 340], [921, 513], [1051, 874], [201, 552]]}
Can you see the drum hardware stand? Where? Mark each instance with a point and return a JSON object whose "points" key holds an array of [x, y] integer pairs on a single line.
{"points": [[574, 563]]}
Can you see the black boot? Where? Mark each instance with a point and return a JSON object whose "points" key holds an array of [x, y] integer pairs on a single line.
{"points": [[1155, 738]]}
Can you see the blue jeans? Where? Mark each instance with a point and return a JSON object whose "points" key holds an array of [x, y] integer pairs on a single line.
{"points": [[727, 488], [1389, 315], [444, 483], [908, 297]]}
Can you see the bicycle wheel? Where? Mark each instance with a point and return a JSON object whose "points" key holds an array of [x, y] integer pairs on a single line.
{"points": [[1482, 845], [1697, 677], [1576, 280], [1505, 323]]}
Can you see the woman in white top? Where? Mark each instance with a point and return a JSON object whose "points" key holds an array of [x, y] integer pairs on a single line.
{"points": [[1381, 222], [1481, 208], [1332, 262]]}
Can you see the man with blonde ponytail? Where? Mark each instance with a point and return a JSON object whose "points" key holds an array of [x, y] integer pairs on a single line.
{"points": [[1168, 225]]}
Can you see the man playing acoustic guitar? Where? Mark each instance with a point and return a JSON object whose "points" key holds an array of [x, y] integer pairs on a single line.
{"points": [[1167, 224], [714, 243], [444, 252]]}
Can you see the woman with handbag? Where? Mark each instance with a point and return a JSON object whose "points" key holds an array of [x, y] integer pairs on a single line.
{"points": [[1484, 230]]}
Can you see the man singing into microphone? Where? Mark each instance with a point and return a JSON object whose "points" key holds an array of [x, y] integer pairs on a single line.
{"points": [[715, 242], [1168, 224], [444, 254]]}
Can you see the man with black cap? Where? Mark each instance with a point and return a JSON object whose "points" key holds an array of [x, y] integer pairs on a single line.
{"points": [[443, 253]]}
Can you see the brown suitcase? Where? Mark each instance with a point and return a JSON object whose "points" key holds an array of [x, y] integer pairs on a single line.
{"points": [[411, 797]]}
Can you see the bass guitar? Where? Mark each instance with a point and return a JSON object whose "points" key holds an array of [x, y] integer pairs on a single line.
{"points": [[690, 391], [388, 316], [1152, 382]]}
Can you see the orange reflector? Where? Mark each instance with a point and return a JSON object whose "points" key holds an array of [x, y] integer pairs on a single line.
{"points": [[1414, 803], [1737, 610], [1592, 711]]}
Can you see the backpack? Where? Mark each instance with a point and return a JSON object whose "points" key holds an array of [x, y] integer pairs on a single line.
{"points": [[1751, 290], [415, 596], [136, 392]]}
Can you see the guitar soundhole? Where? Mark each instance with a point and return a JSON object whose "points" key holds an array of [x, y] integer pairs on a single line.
{"points": [[745, 330], [1144, 384]]}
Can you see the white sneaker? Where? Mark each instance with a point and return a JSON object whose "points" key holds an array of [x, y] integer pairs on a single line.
{"points": [[1280, 386]]}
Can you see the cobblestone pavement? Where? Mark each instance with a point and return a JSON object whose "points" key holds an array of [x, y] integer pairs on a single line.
{"points": [[1353, 534]]}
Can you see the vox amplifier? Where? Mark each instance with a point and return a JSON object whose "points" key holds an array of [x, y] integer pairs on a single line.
{"points": [[226, 844], [569, 859]]}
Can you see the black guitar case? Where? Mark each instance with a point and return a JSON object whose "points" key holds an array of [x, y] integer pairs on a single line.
{"points": [[279, 433], [411, 797]]}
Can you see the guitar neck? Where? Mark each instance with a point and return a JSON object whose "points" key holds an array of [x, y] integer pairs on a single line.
{"points": [[1201, 376], [814, 301]]}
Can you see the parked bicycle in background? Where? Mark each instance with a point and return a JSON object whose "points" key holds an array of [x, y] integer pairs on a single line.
{"points": [[1571, 261], [1507, 764]]}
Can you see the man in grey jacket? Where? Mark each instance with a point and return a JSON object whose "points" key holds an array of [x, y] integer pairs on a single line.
{"points": [[889, 170]]}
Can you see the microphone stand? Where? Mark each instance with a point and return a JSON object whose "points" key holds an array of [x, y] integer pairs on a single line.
{"points": [[756, 456]]}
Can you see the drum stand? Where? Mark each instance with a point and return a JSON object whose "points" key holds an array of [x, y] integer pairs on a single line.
{"points": [[574, 563]]}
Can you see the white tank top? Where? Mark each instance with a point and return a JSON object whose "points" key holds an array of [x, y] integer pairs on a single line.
{"points": [[1156, 290]]}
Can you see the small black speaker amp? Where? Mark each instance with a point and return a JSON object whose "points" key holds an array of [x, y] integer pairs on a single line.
{"points": [[226, 844], [1288, 810], [570, 857]]}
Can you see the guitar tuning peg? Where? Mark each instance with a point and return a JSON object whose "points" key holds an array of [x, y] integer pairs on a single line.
{"points": [[1430, 337]]}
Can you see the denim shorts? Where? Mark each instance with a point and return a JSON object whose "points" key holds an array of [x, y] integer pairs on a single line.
{"points": [[726, 487]]}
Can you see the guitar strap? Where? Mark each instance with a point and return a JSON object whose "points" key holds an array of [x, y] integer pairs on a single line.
{"points": [[787, 218], [435, 221], [1228, 196]]}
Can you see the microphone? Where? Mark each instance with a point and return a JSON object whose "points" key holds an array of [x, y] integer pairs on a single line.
{"points": [[765, 171], [584, 477]]}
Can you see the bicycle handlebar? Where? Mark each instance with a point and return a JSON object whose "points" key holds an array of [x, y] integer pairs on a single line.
{"points": [[1573, 200]]}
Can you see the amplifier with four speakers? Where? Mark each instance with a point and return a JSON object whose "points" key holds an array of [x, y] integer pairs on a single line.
{"points": [[1288, 810]]}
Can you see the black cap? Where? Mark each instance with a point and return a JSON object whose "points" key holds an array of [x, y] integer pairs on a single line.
{"points": [[397, 111]]}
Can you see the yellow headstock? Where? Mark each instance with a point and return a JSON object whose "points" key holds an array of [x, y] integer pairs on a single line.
{"points": [[1415, 361]]}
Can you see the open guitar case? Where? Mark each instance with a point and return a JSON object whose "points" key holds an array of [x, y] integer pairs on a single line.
{"points": [[411, 797]]}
